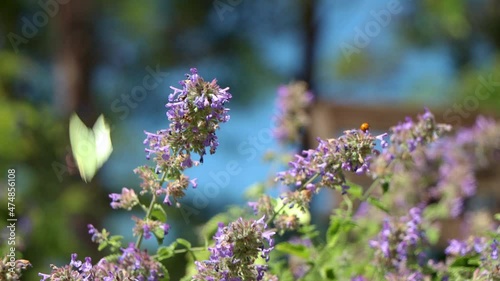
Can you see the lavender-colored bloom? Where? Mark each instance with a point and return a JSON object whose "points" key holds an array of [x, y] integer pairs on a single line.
{"points": [[147, 231], [133, 264], [330, 160], [405, 138], [74, 262], [97, 236], [87, 265], [479, 248], [399, 243], [263, 207], [195, 113], [166, 228], [382, 140], [148, 227], [440, 170], [473, 245], [254, 206], [126, 200], [456, 248], [236, 248], [382, 243], [494, 250], [292, 102]]}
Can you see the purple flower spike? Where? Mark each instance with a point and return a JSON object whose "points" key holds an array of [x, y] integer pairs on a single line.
{"points": [[195, 113], [292, 102], [237, 247]]}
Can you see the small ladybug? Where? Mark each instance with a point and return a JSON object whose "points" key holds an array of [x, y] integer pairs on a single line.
{"points": [[364, 127]]}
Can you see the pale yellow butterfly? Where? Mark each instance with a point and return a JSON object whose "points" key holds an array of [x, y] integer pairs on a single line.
{"points": [[90, 147]]}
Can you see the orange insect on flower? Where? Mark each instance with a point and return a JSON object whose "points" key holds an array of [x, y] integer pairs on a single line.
{"points": [[364, 127]]}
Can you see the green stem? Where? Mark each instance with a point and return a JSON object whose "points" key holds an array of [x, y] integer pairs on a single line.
{"points": [[191, 251], [370, 189], [149, 211], [194, 249], [376, 182], [348, 202]]}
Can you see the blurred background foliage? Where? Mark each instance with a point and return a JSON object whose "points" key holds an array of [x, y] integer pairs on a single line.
{"points": [[89, 55]]}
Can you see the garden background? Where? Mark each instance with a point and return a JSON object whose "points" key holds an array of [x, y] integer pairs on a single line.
{"points": [[93, 57]]}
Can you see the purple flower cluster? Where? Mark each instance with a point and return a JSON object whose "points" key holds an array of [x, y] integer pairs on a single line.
{"points": [[293, 101], [175, 189], [458, 158], [329, 161], [401, 243], [237, 247], [264, 206], [132, 264], [125, 200], [442, 171], [146, 227], [474, 245], [405, 138], [97, 236], [480, 249], [194, 112]]}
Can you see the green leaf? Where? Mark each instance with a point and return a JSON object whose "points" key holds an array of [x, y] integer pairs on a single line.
{"points": [[165, 252], [328, 273], [466, 262], [166, 276], [184, 242], [333, 229], [115, 242], [376, 203], [385, 187], [158, 213], [159, 234], [355, 190], [116, 238], [309, 230], [102, 246], [112, 257], [339, 224], [298, 250], [432, 234]]}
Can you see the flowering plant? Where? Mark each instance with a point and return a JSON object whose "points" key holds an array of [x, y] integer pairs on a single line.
{"points": [[422, 172]]}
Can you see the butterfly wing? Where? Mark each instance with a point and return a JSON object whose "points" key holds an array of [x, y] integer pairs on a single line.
{"points": [[83, 146], [102, 141]]}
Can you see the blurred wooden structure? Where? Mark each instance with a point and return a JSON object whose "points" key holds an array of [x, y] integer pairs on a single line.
{"points": [[330, 120]]}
